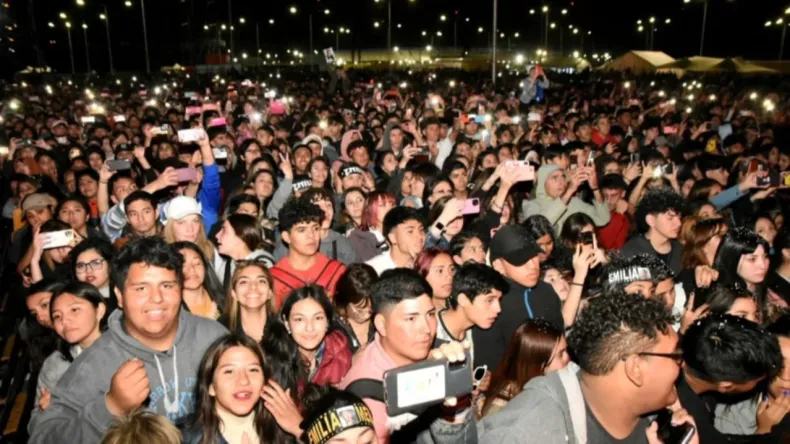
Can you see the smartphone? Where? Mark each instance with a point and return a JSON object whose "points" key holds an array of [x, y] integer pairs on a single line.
{"points": [[591, 159], [192, 110], [574, 161], [478, 375], [161, 130], [670, 130], [3, 150], [219, 121], [63, 140], [186, 174], [74, 152], [479, 118], [634, 158], [754, 166], [119, 118], [57, 239], [119, 165], [671, 434], [88, 119], [190, 135], [471, 206], [190, 94], [785, 178], [586, 238], [425, 383], [772, 180], [220, 153]]}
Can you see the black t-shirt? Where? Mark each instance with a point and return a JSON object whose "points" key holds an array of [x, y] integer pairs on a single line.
{"points": [[518, 305], [598, 435]]}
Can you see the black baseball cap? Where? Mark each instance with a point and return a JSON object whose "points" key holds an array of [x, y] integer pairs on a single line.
{"points": [[514, 244]]}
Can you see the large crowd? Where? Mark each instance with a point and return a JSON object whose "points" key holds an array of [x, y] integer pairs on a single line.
{"points": [[238, 260]]}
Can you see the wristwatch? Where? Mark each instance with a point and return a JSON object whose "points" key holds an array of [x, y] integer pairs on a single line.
{"points": [[439, 226]]}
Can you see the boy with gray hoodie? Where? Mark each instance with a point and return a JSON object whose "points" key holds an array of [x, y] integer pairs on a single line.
{"points": [[627, 351], [555, 196], [149, 355]]}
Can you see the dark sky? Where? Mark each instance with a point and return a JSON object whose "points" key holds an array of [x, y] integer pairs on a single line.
{"points": [[176, 34]]}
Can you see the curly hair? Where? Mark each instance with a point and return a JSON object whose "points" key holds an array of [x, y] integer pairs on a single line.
{"points": [[615, 326], [657, 201], [297, 211]]}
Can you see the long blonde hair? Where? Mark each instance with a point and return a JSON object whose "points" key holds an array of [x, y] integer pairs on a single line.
{"points": [[232, 304], [169, 233]]}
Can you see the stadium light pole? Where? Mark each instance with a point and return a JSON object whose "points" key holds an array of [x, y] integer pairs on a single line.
{"points": [[87, 54], [704, 22], [106, 18], [493, 46]]}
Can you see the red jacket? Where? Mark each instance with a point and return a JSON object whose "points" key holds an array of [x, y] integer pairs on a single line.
{"points": [[614, 235], [336, 360]]}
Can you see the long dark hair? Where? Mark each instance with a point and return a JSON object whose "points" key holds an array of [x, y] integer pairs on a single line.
{"points": [[736, 243], [211, 282], [86, 292], [720, 297], [317, 294], [528, 353], [206, 417], [572, 229]]}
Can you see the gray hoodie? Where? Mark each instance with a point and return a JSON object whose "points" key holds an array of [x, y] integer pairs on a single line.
{"points": [[540, 412], [78, 412], [556, 211]]}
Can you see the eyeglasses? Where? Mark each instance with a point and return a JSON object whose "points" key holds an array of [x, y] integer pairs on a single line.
{"points": [[95, 264], [676, 356]]}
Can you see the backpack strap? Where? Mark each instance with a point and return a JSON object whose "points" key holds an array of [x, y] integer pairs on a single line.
{"points": [[576, 406], [367, 388], [328, 273], [334, 249]]}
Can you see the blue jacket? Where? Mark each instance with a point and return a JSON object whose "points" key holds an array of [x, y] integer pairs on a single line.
{"points": [[210, 196]]}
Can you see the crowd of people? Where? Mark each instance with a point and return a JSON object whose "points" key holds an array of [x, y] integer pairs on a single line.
{"points": [[228, 260]]}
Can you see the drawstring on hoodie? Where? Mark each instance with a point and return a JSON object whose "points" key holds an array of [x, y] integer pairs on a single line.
{"points": [[171, 407]]}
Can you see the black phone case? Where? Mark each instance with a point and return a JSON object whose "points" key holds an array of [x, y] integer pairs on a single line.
{"points": [[458, 382], [670, 434]]}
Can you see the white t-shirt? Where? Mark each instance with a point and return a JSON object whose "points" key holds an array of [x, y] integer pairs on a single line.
{"points": [[445, 147], [444, 334], [382, 262]]}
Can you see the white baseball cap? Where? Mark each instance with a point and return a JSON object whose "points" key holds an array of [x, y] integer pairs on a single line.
{"points": [[181, 207]]}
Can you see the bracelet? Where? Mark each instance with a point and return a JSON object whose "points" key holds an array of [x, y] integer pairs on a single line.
{"points": [[578, 285], [103, 181]]}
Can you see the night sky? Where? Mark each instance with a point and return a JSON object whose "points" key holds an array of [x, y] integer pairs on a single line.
{"points": [[176, 27]]}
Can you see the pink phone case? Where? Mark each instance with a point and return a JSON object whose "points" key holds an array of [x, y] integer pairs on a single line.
{"points": [[471, 206], [186, 174]]}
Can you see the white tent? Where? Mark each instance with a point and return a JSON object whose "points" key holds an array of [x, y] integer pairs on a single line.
{"points": [[638, 62]]}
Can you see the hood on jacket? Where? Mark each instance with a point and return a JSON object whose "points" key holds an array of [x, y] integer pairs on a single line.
{"points": [[345, 141], [543, 173]]}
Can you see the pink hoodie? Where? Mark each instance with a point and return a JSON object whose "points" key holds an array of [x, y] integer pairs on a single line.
{"points": [[371, 364]]}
